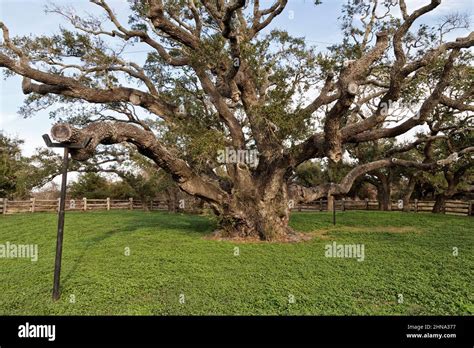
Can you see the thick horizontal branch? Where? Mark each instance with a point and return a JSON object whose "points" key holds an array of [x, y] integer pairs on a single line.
{"points": [[457, 104], [148, 145], [61, 85], [308, 194]]}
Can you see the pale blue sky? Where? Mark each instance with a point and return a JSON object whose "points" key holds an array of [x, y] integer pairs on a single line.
{"points": [[318, 24]]}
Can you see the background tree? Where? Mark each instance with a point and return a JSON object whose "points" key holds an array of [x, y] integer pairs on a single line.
{"points": [[215, 79], [10, 165], [90, 185], [20, 174]]}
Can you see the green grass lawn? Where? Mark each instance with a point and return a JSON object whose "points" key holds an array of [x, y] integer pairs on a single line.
{"points": [[405, 254]]}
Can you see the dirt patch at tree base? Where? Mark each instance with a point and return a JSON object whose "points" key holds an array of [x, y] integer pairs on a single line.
{"points": [[294, 237], [324, 234]]}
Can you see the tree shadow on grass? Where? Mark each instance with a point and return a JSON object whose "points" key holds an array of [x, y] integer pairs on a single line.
{"points": [[163, 221], [89, 243]]}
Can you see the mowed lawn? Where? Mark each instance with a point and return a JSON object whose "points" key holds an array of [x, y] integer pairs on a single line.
{"points": [[172, 269]]}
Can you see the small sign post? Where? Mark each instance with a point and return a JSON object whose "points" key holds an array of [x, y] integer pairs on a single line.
{"points": [[62, 205]]}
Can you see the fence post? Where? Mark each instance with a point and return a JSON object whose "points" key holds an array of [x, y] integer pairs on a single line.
{"points": [[59, 203], [343, 204], [366, 204], [320, 204], [469, 213], [416, 205], [33, 203], [131, 203], [108, 203], [84, 203], [151, 205], [5, 203]]}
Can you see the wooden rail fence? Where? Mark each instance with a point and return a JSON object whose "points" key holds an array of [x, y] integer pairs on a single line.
{"points": [[451, 207], [36, 205]]}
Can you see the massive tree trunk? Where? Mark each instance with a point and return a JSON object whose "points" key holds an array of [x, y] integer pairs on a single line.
{"points": [[254, 217], [258, 208]]}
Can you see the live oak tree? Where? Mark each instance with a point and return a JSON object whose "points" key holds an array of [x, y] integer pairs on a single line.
{"points": [[217, 78]]}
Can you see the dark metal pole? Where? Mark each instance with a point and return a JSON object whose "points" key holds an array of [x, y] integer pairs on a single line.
{"points": [[62, 206], [334, 202], [59, 240]]}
